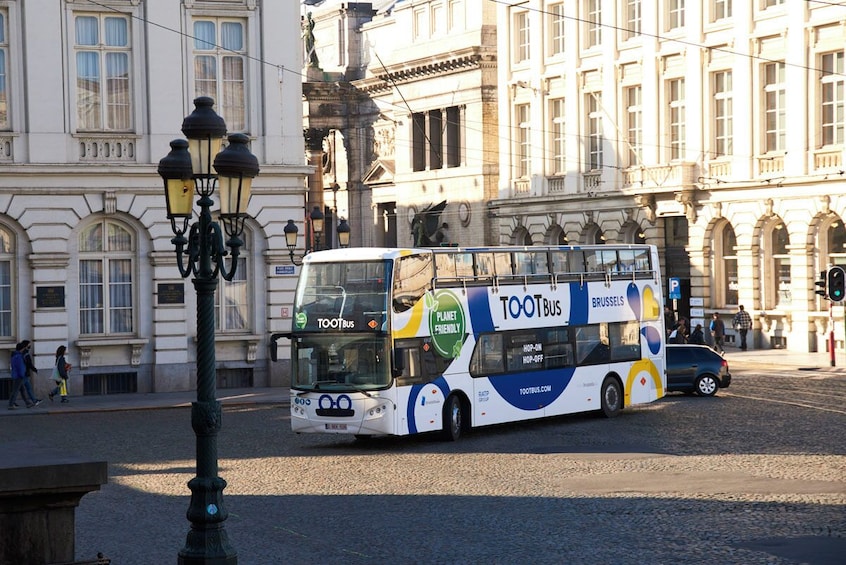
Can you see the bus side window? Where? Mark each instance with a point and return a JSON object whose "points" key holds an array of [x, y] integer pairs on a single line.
{"points": [[592, 345], [412, 368], [487, 358], [412, 279]]}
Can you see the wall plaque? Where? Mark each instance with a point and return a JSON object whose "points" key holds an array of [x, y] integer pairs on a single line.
{"points": [[49, 297], [171, 293]]}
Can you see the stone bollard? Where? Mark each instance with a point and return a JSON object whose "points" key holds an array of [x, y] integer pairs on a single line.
{"points": [[40, 489]]}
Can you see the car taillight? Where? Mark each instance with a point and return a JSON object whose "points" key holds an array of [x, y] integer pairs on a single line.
{"points": [[725, 364]]}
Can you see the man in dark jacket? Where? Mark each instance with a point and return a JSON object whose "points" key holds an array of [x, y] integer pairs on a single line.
{"points": [[30, 369], [18, 368]]}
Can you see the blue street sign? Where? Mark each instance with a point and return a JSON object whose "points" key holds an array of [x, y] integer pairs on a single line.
{"points": [[675, 288]]}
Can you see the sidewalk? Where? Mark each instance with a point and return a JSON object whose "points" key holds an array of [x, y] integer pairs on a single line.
{"points": [[144, 401], [785, 359], [737, 359]]}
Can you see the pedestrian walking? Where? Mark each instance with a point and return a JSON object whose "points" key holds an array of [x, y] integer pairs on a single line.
{"points": [[669, 320], [718, 332], [18, 369], [61, 372], [30, 369], [679, 335], [742, 324], [697, 336]]}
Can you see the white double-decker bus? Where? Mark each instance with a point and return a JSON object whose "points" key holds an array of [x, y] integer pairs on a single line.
{"points": [[406, 341]]}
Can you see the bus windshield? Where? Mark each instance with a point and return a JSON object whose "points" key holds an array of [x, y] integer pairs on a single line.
{"points": [[341, 362], [343, 296]]}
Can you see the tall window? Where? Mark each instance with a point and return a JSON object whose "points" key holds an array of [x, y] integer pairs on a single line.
{"points": [[231, 301], [836, 243], [7, 256], [555, 17], [675, 96], [833, 99], [106, 256], [634, 124], [436, 138], [727, 243], [723, 113], [524, 129], [632, 18], [594, 131], [521, 37], [593, 23], [779, 240], [775, 109], [675, 14], [722, 9], [558, 145], [103, 96], [219, 68], [4, 58]]}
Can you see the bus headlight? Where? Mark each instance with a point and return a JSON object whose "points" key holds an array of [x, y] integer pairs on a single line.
{"points": [[377, 411]]}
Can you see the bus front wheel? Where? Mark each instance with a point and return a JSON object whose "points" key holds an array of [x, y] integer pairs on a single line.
{"points": [[453, 419], [612, 397]]}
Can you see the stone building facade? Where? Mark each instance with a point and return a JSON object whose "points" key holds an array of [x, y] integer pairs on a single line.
{"points": [[91, 94], [405, 95], [725, 151]]}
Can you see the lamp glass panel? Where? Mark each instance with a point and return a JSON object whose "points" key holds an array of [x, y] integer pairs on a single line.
{"points": [[180, 198], [344, 238], [234, 193], [202, 153]]}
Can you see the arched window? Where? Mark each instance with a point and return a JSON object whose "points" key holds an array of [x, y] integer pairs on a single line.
{"points": [[725, 267], [7, 256], [521, 236], [780, 266], [106, 286], [633, 233]]}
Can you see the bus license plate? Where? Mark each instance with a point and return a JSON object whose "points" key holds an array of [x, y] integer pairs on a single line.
{"points": [[336, 427]]}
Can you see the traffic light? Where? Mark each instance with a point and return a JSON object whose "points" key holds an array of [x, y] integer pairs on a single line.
{"points": [[836, 283], [821, 284]]}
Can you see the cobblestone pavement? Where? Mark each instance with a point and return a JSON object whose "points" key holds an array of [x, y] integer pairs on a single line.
{"points": [[755, 475]]}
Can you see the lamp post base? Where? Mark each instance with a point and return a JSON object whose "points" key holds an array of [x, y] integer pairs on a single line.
{"points": [[207, 542]]}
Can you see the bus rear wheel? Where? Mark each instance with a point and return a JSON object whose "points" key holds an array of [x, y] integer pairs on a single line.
{"points": [[453, 419], [612, 397]]}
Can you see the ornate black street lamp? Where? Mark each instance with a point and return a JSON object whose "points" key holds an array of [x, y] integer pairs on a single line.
{"points": [[291, 231], [187, 169]]}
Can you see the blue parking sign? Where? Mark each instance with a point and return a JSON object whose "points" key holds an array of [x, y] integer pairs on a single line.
{"points": [[675, 288]]}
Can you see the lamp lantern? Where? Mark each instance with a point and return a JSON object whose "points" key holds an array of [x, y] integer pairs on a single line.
{"points": [[175, 169], [204, 129], [236, 167], [343, 233]]}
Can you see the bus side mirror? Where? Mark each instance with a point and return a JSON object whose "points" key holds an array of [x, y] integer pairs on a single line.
{"points": [[399, 362], [273, 345]]}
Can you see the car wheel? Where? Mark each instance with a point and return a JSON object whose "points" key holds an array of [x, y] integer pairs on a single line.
{"points": [[612, 397], [453, 419], [706, 385]]}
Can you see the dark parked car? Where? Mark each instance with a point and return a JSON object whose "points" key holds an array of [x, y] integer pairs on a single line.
{"points": [[696, 368]]}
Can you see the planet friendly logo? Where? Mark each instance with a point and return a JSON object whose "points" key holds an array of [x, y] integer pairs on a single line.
{"points": [[301, 320], [446, 324]]}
